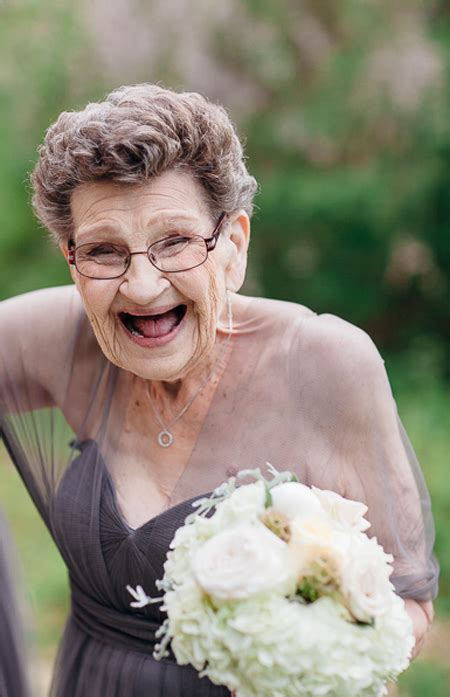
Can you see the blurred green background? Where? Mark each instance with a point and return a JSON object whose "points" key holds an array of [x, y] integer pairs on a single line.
{"points": [[345, 111]]}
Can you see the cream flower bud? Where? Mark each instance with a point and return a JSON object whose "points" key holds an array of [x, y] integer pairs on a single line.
{"points": [[315, 539], [295, 500]]}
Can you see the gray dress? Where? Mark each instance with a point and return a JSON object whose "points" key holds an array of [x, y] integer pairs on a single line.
{"points": [[305, 392], [12, 648]]}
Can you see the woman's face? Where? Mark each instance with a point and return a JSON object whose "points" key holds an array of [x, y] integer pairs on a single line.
{"points": [[154, 324]]}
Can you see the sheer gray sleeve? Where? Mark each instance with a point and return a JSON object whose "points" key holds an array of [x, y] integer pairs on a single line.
{"points": [[37, 348], [374, 459], [36, 331]]}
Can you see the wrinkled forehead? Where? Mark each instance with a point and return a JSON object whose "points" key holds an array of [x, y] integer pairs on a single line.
{"points": [[172, 194]]}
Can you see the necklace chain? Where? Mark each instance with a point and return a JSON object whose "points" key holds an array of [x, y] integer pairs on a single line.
{"points": [[165, 437]]}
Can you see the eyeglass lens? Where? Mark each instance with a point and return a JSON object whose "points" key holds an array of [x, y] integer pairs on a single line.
{"points": [[100, 260]]}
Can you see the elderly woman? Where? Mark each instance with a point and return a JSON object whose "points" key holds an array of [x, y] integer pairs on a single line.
{"points": [[125, 396]]}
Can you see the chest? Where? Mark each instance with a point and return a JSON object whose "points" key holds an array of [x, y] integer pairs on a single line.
{"points": [[145, 476], [149, 456]]}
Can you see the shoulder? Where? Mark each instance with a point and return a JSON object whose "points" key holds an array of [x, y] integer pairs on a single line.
{"points": [[43, 316], [56, 301], [38, 328], [46, 342], [344, 372], [332, 360], [273, 316], [326, 339], [317, 345], [339, 344]]}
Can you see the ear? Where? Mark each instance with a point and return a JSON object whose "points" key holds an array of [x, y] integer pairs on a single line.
{"points": [[238, 237], [65, 250]]}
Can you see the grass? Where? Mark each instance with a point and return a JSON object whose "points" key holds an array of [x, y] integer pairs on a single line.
{"points": [[424, 408], [425, 679]]}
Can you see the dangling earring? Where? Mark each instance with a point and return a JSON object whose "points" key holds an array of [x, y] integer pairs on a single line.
{"points": [[229, 328]]}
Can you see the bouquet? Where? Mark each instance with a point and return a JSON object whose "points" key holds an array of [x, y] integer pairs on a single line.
{"points": [[273, 589]]}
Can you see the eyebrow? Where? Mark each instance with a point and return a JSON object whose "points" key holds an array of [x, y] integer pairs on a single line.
{"points": [[97, 228], [109, 229]]}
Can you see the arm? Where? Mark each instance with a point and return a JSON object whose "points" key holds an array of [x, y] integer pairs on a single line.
{"points": [[422, 615], [369, 454], [35, 331], [37, 348], [401, 516]]}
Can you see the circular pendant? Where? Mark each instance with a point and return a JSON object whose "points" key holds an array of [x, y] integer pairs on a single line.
{"points": [[165, 439]]}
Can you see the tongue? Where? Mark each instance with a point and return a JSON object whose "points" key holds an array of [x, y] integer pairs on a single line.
{"points": [[159, 325]]}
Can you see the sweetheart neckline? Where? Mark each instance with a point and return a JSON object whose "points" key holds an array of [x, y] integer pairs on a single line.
{"points": [[89, 442], [153, 519]]}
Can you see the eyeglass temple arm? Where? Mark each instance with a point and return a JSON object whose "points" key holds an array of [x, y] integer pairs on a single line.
{"points": [[71, 252], [212, 241]]}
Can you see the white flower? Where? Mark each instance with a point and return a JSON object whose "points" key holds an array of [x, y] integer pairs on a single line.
{"points": [[345, 511], [316, 540], [247, 498], [295, 500], [365, 582], [313, 530], [245, 504], [243, 561]]}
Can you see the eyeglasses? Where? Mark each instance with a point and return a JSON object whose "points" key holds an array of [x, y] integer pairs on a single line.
{"points": [[104, 260]]}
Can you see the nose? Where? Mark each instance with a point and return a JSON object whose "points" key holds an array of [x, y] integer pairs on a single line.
{"points": [[142, 282]]}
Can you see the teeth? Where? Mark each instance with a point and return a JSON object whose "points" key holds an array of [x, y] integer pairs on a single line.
{"points": [[131, 328]]}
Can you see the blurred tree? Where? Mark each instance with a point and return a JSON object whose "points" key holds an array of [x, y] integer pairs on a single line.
{"points": [[352, 152], [43, 71], [346, 110]]}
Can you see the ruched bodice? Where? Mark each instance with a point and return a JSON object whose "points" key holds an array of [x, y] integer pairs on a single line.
{"points": [[88, 527]]}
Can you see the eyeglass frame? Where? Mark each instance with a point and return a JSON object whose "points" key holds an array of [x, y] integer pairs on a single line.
{"points": [[210, 243]]}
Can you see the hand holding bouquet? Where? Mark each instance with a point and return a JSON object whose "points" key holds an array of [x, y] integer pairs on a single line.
{"points": [[274, 590]]}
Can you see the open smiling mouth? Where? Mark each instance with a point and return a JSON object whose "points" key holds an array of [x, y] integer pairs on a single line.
{"points": [[153, 326]]}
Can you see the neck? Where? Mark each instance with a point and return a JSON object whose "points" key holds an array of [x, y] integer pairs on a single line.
{"points": [[175, 395]]}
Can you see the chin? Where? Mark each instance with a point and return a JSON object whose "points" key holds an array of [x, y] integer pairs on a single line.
{"points": [[159, 368], [168, 362]]}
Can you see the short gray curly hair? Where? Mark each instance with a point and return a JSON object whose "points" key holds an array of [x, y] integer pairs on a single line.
{"points": [[136, 133]]}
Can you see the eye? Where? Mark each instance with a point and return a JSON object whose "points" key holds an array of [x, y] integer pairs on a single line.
{"points": [[175, 240], [172, 245], [102, 250], [101, 253]]}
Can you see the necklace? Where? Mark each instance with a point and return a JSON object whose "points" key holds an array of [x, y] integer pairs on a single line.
{"points": [[165, 437]]}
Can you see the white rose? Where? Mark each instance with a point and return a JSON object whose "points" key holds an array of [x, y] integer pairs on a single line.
{"points": [[313, 530], [242, 561], [365, 582], [295, 500], [315, 539], [345, 511]]}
